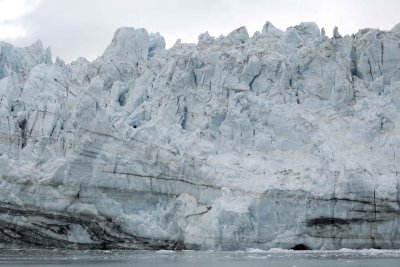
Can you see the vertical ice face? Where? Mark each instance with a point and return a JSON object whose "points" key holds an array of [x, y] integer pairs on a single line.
{"points": [[270, 30], [283, 139], [128, 44], [156, 44]]}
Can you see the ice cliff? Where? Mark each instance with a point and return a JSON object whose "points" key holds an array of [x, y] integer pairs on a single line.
{"points": [[284, 139]]}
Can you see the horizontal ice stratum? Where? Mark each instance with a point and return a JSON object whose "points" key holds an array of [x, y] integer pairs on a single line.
{"points": [[285, 139]]}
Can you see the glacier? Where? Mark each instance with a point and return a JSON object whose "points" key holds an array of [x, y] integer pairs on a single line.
{"points": [[286, 139]]}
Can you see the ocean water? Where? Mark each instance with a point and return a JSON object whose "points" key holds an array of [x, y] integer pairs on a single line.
{"points": [[251, 258]]}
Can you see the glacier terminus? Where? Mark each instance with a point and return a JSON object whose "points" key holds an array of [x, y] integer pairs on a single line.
{"points": [[285, 139]]}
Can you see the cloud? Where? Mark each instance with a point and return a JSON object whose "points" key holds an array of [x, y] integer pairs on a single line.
{"points": [[10, 12], [12, 9], [84, 28], [11, 31]]}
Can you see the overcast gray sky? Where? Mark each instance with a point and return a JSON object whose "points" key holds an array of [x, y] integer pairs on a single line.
{"points": [[75, 28]]}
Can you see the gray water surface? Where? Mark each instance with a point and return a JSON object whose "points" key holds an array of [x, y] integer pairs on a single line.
{"points": [[252, 258]]}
